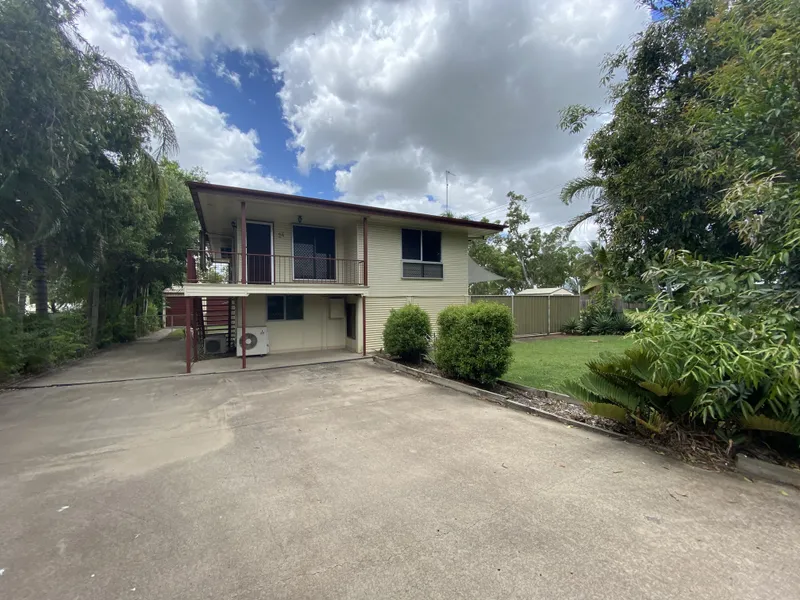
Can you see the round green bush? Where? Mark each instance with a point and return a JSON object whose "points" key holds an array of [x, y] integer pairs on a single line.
{"points": [[407, 333], [474, 341]]}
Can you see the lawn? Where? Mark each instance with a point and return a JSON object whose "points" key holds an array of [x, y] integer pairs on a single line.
{"points": [[546, 362]]}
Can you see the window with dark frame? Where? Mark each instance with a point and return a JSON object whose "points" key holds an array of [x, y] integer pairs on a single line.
{"points": [[350, 315], [422, 254], [284, 308], [314, 251]]}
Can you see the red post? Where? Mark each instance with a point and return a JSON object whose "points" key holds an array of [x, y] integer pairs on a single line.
{"points": [[195, 337], [244, 331], [366, 255], [188, 333], [243, 228], [363, 325]]}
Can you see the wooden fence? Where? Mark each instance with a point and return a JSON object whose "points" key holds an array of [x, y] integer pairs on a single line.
{"points": [[537, 314]]}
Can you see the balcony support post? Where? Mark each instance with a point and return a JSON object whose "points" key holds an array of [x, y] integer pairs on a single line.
{"points": [[366, 256], [243, 230], [187, 330]]}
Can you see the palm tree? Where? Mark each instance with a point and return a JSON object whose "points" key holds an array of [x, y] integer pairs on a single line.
{"points": [[590, 187], [595, 263], [53, 101]]}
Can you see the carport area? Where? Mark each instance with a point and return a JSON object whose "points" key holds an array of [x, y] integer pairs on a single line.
{"points": [[345, 480]]}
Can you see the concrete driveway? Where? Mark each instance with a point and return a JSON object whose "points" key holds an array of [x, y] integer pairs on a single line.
{"points": [[346, 481]]}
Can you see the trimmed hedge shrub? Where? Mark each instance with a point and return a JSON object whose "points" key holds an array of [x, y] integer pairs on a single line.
{"points": [[407, 333], [474, 341]]}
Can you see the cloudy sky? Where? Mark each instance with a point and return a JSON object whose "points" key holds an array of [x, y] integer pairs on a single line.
{"points": [[372, 101]]}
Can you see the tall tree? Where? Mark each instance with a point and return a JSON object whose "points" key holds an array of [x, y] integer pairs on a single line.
{"points": [[60, 100], [733, 324], [525, 256], [646, 193]]}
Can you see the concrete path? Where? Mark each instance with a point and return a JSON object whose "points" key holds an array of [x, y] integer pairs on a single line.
{"points": [[155, 355], [346, 481]]}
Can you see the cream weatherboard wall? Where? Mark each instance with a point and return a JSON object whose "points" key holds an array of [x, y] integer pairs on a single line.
{"points": [[388, 289], [315, 331]]}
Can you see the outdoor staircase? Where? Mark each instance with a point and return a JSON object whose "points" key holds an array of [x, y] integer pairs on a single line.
{"points": [[215, 316]]}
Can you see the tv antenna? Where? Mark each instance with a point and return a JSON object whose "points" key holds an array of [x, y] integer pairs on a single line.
{"points": [[447, 175]]}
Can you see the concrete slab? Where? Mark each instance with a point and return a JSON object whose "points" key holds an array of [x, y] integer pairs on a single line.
{"points": [[155, 355], [232, 364], [343, 480]]}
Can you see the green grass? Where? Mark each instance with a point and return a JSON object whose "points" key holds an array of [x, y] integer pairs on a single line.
{"points": [[176, 333], [545, 363]]}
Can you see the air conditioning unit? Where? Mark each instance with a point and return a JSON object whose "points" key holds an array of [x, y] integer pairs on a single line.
{"points": [[215, 344], [256, 341]]}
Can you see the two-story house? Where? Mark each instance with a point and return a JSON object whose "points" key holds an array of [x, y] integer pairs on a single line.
{"points": [[288, 273]]}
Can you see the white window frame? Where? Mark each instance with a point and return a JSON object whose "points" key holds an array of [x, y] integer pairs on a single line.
{"points": [[335, 251], [422, 262]]}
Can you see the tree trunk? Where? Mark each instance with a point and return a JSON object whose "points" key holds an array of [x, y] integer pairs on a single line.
{"points": [[40, 283], [94, 311], [22, 294]]}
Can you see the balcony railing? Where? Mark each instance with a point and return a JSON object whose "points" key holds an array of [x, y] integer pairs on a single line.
{"points": [[226, 267]]}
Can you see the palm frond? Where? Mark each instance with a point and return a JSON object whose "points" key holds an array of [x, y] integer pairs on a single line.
{"points": [[655, 422], [576, 390], [581, 218], [610, 392], [162, 132], [609, 411], [591, 285], [764, 423], [589, 187]]}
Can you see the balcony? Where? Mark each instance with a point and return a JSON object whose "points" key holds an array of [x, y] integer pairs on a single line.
{"points": [[271, 269]]}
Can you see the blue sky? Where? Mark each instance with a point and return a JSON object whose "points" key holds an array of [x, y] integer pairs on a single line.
{"points": [[253, 104], [376, 99]]}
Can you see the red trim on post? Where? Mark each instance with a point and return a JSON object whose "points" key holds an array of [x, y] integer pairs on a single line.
{"points": [[244, 331], [243, 227], [187, 332], [366, 256], [363, 325], [196, 328]]}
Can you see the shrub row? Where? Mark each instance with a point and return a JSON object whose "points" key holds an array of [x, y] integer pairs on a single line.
{"points": [[473, 341], [40, 342]]}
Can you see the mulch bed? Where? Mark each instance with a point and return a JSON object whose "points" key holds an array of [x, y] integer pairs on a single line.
{"points": [[699, 448]]}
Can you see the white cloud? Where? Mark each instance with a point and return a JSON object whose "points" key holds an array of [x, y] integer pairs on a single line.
{"points": [[206, 138], [222, 71], [390, 94], [406, 91]]}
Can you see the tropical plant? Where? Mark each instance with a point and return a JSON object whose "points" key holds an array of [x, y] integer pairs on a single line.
{"points": [[602, 317], [571, 326], [645, 189], [731, 326], [627, 387], [70, 116]]}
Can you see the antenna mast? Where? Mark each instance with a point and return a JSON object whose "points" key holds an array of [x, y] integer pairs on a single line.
{"points": [[447, 174]]}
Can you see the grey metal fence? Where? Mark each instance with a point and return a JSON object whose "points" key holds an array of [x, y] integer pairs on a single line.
{"points": [[537, 314]]}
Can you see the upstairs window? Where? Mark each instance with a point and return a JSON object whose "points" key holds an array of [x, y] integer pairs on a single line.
{"points": [[422, 254]]}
